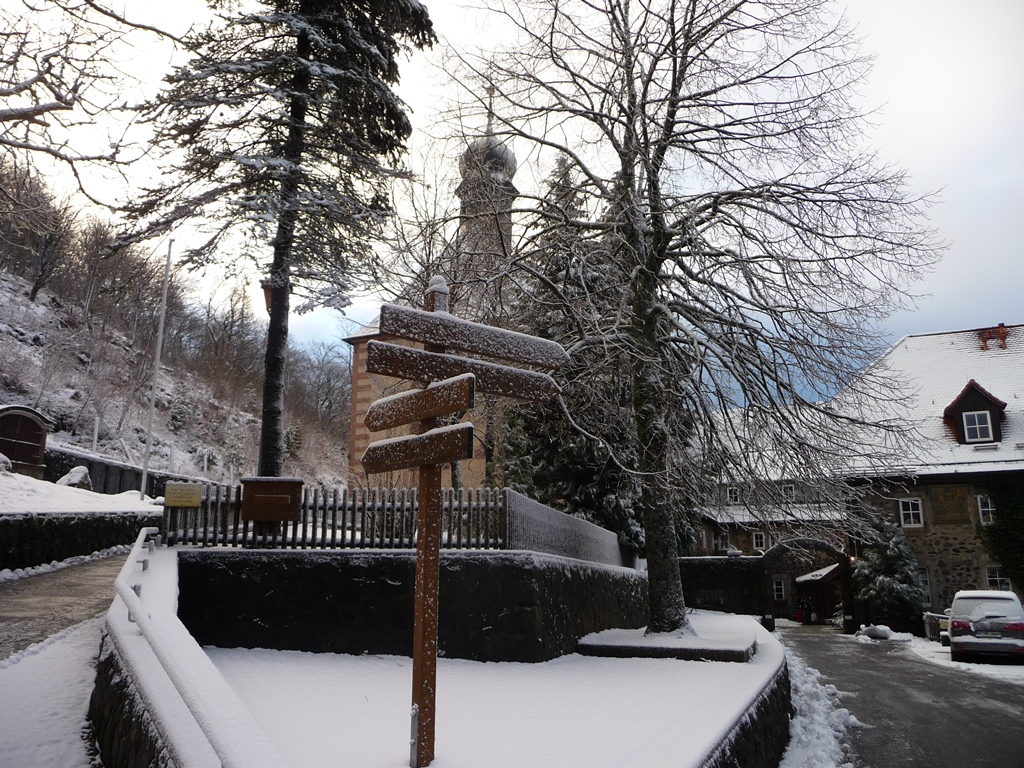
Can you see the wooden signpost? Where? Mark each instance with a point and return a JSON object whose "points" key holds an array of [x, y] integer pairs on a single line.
{"points": [[450, 382]]}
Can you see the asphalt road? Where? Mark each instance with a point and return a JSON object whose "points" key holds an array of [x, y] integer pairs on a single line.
{"points": [[916, 714], [33, 608]]}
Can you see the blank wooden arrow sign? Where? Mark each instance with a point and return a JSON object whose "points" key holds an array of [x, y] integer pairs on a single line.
{"points": [[451, 332], [437, 446], [409, 363], [439, 399]]}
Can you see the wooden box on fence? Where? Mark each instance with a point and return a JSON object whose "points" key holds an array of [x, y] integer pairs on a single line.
{"points": [[272, 499], [183, 495]]}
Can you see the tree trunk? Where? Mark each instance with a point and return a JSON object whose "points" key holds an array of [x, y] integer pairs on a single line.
{"points": [[272, 429], [666, 607]]}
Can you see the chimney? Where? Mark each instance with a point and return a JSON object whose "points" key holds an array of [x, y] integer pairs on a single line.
{"points": [[999, 332]]}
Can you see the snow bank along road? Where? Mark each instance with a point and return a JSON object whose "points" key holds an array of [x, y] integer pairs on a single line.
{"points": [[915, 713]]}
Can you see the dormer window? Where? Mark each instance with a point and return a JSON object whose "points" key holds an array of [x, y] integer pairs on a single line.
{"points": [[732, 495], [977, 427], [976, 417]]}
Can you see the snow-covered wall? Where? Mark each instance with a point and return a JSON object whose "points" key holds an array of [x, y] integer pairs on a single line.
{"points": [[494, 606], [28, 540], [536, 527], [107, 475]]}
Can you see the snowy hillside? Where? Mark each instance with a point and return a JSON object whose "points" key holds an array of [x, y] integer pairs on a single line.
{"points": [[92, 379]]}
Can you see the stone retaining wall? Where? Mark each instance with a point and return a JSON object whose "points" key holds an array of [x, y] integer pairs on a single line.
{"points": [[29, 540], [759, 740], [124, 730], [495, 606]]}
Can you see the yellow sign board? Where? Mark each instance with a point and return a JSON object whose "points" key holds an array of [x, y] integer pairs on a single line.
{"points": [[183, 495]]}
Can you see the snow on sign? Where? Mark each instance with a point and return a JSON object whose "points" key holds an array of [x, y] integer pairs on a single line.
{"points": [[450, 384], [407, 363], [439, 399], [437, 446], [448, 331]]}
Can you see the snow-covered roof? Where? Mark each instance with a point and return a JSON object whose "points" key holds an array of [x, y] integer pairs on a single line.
{"points": [[367, 331], [740, 514], [934, 369], [817, 575]]}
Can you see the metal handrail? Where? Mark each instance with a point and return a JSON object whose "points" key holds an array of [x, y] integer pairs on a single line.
{"points": [[223, 746]]}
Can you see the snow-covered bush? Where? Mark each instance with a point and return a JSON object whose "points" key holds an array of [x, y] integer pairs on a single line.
{"points": [[888, 575]]}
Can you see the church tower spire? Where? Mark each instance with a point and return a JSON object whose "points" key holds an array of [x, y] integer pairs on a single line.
{"points": [[486, 194]]}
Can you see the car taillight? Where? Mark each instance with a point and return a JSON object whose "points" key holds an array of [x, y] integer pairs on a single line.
{"points": [[959, 624], [1017, 626]]}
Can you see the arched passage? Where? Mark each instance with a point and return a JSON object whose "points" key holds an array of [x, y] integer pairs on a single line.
{"points": [[782, 548]]}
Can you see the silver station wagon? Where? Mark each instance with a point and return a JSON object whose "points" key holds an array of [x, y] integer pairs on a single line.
{"points": [[986, 622]]}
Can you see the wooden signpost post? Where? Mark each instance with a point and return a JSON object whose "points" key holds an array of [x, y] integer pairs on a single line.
{"points": [[451, 382]]}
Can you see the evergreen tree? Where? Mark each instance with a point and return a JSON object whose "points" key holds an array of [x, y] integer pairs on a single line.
{"points": [[289, 130], [579, 464], [888, 575]]}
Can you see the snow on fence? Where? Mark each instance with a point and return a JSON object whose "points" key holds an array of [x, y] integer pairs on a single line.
{"points": [[342, 518], [175, 681]]}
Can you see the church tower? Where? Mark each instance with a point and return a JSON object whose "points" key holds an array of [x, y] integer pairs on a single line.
{"points": [[484, 241]]}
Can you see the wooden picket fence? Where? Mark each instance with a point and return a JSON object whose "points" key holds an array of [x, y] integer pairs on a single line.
{"points": [[342, 518]]}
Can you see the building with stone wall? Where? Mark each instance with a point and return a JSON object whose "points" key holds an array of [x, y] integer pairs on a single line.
{"points": [[964, 392]]}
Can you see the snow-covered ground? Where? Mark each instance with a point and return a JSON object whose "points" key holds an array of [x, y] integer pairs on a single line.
{"points": [[44, 693], [21, 495], [572, 712], [44, 700], [937, 654]]}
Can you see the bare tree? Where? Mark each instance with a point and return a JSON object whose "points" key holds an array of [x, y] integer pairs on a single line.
{"points": [[57, 80], [722, 171]]}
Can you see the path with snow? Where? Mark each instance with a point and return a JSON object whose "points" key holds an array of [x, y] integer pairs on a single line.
{"points": [[918, 712], [44, 700], [53, 599]]}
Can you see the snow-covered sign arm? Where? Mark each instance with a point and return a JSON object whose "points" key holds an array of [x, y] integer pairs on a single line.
{"points": [[445, 330], [438, 446], [439, 399], [407, 363]]}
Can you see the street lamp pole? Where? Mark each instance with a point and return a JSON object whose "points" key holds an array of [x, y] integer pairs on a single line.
{"points": [[156, 370]]}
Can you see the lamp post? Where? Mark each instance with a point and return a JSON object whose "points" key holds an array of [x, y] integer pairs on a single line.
{"points": [[156, 370], [267, 284]]}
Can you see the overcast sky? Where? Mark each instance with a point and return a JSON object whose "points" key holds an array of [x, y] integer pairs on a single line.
{"points": [[951, 76], [949, 79]]}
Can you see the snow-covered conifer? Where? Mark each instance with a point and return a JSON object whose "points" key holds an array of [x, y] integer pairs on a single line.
{"points": [[281, 133]]}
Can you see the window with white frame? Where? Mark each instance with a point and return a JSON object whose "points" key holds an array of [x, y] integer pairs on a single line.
{"points": [[986, 510], [926, 582], [723, 540], [995, 579], [910, 513], [760, 540], [789, 492], [732, 495], [778, 589], [977, 427]]}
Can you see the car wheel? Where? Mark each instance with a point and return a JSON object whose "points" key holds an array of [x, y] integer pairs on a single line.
{"points": [[957, 656]]}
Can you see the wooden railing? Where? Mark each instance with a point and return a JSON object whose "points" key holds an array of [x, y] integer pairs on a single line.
{"points": [[342, 518]]}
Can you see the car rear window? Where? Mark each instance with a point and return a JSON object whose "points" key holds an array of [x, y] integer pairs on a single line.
{"points": [[977, 607]]}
